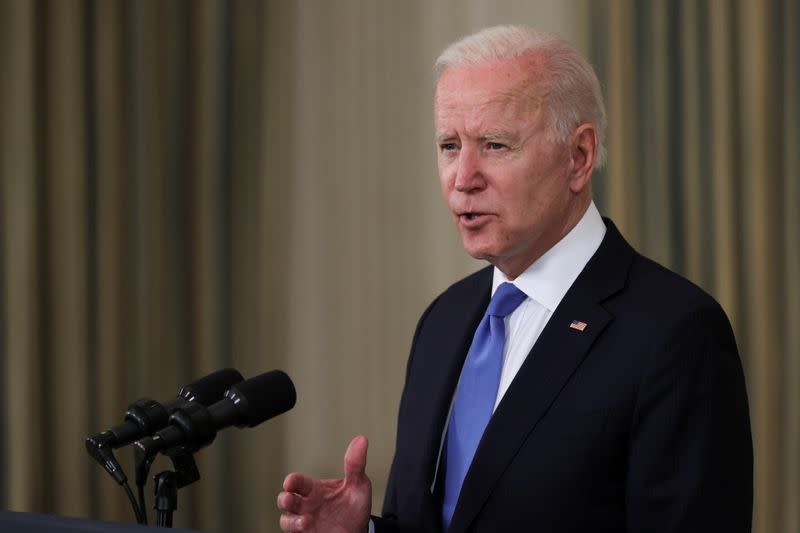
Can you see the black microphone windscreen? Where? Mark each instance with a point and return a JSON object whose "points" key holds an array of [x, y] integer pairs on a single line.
{"points": [[262, 397], [211, 388]]}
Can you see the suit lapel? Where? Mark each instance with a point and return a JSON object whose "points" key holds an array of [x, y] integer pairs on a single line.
{"points": [[556, 355], [439, 374]]}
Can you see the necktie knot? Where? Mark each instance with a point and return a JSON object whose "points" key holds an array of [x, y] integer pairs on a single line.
{"points": [[506, 299]]}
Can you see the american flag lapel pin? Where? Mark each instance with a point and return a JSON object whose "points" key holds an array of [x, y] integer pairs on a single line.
{"points": [[577, 324]]}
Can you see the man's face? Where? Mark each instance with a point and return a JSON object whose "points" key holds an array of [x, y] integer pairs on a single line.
{"points": [[503, 177]]}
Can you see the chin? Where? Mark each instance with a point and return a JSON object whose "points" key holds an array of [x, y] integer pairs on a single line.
{"points": [[476, 251]]}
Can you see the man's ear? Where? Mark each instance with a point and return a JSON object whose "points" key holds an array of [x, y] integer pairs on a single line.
{"points": [[583, 152]]}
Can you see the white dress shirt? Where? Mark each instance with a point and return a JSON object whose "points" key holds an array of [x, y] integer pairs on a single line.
{"points": [[545, 283]]}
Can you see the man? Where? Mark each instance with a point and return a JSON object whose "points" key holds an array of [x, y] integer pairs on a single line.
{"points": [[573, 385]]}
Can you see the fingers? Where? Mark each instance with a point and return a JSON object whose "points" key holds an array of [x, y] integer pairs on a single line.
{"points": [[292, 522], [321, 504], [355, 459], [289, 502], [298, 483], [290, 506]]}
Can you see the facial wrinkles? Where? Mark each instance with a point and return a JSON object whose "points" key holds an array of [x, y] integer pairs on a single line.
{"points": [[519, 188], [519, 100], [478, 133]]}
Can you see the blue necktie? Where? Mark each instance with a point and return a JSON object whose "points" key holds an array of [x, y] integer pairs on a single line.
{"points": [[476, 393]]}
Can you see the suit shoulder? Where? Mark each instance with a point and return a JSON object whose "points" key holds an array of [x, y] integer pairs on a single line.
{"points": [[646, 286], [656, 297], [665, 286]]}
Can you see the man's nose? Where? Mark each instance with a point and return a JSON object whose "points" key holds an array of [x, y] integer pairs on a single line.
{"points": [[469, 175]]}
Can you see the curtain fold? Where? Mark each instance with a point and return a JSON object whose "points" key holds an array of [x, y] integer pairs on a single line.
{"points": [[190, 185], [790, 247], [124, 151], [21, 350], [712, 89]]}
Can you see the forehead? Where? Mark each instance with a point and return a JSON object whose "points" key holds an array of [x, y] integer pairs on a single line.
{"points": [[498, 90]]}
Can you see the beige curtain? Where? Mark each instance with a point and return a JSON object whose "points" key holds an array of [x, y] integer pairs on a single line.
{"points": [[188, 185], [135, 216], [704, 176]]}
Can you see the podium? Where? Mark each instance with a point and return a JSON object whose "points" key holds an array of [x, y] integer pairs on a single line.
{"points": [[14, 522]]}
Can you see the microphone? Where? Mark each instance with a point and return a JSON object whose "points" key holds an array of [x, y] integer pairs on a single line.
{"points": [[145, 416], [246, 404]]}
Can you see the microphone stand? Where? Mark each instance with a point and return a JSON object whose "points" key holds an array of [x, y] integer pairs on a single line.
{"points": [[167, 482], [166, 498]]}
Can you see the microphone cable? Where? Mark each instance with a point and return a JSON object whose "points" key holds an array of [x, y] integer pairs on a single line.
{"points": [[104, 455], [142, 504], [141, 516]]}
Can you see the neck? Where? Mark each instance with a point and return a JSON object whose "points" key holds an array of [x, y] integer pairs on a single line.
{"points": [[513, 268]]}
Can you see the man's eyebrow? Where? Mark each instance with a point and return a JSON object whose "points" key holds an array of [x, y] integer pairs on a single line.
{"points": [[495, 136], [490, 136], [444, 137]]}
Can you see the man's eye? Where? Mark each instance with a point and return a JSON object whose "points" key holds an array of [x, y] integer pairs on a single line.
{"points": [[448, 147], [495, 146]]}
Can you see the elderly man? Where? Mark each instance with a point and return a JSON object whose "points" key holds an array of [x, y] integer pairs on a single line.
{"points": [[571, 386]]}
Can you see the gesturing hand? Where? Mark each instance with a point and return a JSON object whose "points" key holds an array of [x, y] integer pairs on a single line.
{"points": [[329, 505]]}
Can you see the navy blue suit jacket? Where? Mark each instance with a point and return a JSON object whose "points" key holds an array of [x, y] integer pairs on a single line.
{"points": [[639, 423]]}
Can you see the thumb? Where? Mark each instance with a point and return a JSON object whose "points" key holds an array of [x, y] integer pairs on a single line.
{"points": [[355, 459]]}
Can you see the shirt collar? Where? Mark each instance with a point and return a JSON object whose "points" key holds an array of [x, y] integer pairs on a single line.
{"points": [[549, 278]]}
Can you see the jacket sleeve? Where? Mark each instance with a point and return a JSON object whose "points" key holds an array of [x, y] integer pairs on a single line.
{"points": [[690, 461], [391, 519]]}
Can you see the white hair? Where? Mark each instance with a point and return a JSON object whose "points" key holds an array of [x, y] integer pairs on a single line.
{"points": [[572, 90]]}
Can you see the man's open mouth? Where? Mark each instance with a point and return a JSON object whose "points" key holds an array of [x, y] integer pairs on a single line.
{"points": [[472, 218]]}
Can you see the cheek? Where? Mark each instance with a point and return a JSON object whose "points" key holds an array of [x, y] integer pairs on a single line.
{"points": [[521, 208], [518, 193], [443, 185], [445, 178]]}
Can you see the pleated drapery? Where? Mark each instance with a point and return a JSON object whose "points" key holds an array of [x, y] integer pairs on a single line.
{"points": [[134, 213], [704, 176], [189, 185]]}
